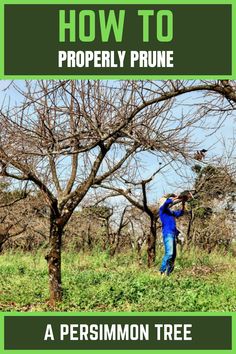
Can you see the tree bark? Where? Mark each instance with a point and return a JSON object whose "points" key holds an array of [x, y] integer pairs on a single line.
{"points": [[54, 262], [189, 230], [152, 243], [2, 241]]}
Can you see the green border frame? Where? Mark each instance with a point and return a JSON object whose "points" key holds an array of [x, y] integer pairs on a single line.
{"points": [[133, 77], [118, 314], [210, 77]]}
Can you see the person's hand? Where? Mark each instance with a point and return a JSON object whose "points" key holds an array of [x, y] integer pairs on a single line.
{"points": [[184, 198], [175, 198]]}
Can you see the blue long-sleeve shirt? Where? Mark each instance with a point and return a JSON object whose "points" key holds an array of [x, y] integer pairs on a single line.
{"points": [[167, 217]]}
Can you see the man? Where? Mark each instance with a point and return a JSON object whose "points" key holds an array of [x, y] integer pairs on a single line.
{"points": [[169, 231]]}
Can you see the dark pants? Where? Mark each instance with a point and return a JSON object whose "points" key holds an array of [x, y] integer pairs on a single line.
{"points": [[168, 260]]}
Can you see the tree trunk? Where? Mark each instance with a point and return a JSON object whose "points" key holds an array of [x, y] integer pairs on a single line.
{"points": [[89, 238], [139, 249], [152, 243], [190, 223], [3, 239], [115, 245], [1, 247], [54, 263]]}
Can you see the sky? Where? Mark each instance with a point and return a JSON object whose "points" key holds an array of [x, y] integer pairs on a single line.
{"points": [[171, 181]]}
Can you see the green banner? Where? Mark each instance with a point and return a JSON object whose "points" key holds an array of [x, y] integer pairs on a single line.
{"points": [[140, 40], [118, 332]]}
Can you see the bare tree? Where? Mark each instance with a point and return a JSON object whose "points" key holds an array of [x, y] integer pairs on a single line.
{"points": [[140, 201], [65, 136]]}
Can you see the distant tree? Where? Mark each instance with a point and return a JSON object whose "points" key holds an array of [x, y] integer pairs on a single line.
{"points": [[139, 229], [11, 218], [212, 211]]}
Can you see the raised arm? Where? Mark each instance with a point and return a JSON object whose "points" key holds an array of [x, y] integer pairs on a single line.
{"points": [[178, 213], [166, 205]]}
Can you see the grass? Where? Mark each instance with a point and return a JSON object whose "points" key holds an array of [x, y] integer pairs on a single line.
{"points": [[94, 282]]}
